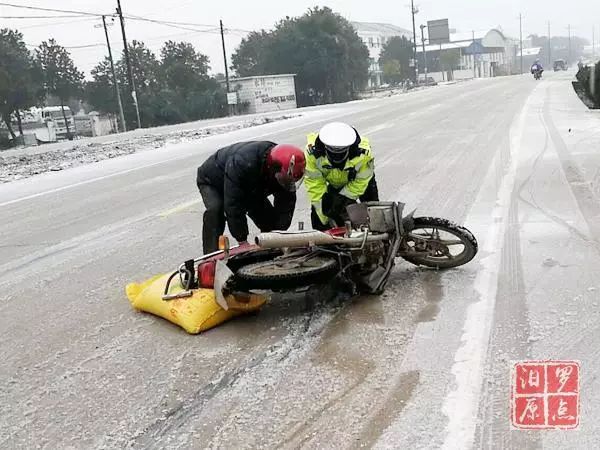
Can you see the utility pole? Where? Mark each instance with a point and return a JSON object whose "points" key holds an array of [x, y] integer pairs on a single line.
{"points": [[224, 55], [569, 28], [128, 63], [521, 39], [593, 42], [115, 81], [225, 62], [424, 51], [549, 46], [413, 12], [474, 56]]}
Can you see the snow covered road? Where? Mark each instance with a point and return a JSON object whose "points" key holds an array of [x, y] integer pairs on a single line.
{"points": [[426, 365]]}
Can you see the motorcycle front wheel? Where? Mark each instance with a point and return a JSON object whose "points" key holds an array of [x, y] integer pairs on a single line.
{"points": [[438, 243]]}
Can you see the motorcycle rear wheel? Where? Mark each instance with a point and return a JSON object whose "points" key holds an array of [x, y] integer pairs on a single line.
{"points": [[288, 273]]}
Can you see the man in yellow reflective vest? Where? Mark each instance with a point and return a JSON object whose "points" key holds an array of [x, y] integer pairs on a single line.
{"points": [[340, 170]]}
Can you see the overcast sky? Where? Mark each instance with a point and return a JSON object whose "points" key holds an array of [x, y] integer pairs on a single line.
{"points": [[464, 15]]}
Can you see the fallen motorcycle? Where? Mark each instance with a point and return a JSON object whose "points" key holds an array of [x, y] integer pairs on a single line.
{"points": [[358, 256], [362, 253]]}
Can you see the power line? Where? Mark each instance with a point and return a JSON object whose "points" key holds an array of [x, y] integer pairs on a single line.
{"points": [[75, 47], [56, 24], [171, 25], [41, 17], [239, 30], [145, 41], [37, 8], [163, 22]]}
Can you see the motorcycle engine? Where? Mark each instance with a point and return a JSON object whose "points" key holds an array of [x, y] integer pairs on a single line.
{"points": [[373, 254]]}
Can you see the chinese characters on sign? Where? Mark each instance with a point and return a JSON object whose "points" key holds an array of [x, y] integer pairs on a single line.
{"points": [[545, 395]]}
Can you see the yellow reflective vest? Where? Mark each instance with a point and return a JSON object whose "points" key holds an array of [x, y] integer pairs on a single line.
{"points": [[351, 181]]}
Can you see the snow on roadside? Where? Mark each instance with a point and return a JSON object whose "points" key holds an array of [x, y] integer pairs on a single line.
{"points": [[16, 167]]}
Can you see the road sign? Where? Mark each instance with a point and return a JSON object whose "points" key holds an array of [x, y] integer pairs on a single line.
{"points": [[438, 31]]}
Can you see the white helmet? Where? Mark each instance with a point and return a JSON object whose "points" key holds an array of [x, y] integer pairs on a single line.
{"points": [[337, 138]]}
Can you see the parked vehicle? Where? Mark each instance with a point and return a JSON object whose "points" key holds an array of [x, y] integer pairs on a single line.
{"points": [[427, 81], [560, 64], [55, 114]]}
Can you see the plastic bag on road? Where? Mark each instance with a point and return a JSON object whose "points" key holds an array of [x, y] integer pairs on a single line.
{"points": [[194, 314]]}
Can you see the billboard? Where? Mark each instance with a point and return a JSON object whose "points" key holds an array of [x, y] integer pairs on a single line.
{"points": [[438, 31], [232, 98]]}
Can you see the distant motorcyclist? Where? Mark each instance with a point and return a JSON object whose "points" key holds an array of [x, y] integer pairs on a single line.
{"points": [[340, 170], [237, 180], [537, 67]]}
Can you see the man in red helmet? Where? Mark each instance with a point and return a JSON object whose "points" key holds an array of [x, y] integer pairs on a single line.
{"points": [[238, 179]]}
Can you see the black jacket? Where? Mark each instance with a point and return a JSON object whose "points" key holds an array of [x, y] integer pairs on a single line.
{"points": [[238, 171]]}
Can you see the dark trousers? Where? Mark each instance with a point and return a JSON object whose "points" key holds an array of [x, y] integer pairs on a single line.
{"points": [[214, 217], [370, 195], [264, 214]]}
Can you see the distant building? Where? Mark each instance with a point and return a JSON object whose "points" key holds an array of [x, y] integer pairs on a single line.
{"points": [[480, 54], [265, 93], [374, 36], [530, 55]]}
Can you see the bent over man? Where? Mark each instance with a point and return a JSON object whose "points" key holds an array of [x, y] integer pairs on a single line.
{"points": [[238, 179]]}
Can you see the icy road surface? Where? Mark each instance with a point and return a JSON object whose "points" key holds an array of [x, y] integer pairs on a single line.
{"points": [[426, 365]]}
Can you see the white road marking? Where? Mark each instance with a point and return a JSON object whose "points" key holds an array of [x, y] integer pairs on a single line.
{"points": [[179, 208], [133, 169], [461, 404], [91, 180], [376, 129]]}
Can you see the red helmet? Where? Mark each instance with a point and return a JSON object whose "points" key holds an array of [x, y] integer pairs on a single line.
{"points": [[288, 163]]}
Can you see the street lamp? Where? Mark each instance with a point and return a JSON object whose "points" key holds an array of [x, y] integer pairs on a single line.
{"points": [[424, 51]]}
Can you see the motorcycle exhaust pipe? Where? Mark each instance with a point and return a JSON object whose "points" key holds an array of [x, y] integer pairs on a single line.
{"points": [[280, 239]]}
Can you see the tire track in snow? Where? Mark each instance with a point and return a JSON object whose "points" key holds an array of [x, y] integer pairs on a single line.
{"points": [[461, 403], [587, 201]]}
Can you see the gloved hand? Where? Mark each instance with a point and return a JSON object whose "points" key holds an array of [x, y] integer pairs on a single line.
{"points": [[334, 204]]}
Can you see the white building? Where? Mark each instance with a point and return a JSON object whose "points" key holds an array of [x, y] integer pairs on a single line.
{"points": [[481, 54], [265, 93], [374, 36]]}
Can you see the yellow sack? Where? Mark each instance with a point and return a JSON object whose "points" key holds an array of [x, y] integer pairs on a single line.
{"points": [[194, 314]]}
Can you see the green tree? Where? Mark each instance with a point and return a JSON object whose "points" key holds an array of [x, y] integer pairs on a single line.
{"points": [[60, 76], [184, 81], [174, 89], [450, 60], [100, 91], [251, 56], [398, 48], [321, 47], [19, 78], [392, 71], [145, 68]]}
